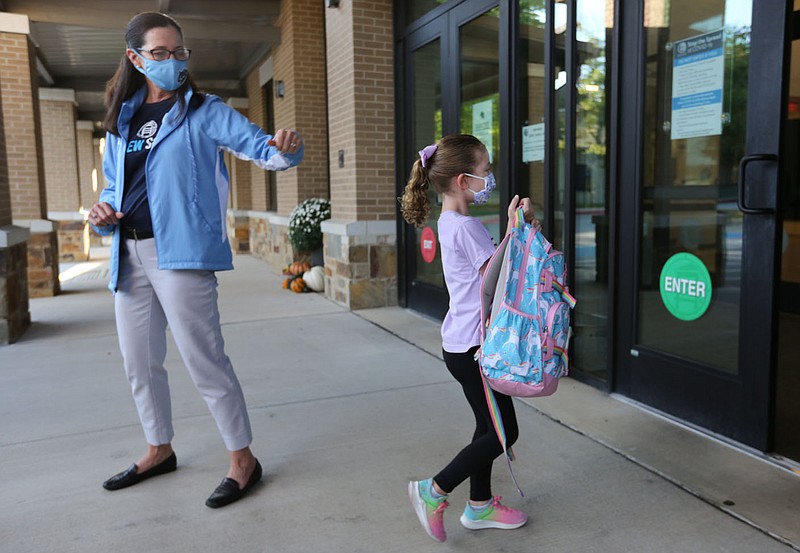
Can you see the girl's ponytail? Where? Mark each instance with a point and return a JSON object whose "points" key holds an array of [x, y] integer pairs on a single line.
{"points": [[415, 202], [435, 169]]}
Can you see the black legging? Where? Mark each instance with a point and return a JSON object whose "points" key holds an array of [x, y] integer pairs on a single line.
{"points": [[475, 460]]}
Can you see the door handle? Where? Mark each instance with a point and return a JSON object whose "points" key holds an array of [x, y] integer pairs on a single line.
{"points": [[743, 207]]}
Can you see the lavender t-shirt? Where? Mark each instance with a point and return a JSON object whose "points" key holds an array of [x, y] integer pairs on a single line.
{"points": [[466, 245]]}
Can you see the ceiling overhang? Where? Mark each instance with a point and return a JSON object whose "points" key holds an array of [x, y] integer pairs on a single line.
{"points": [[79, 43]]}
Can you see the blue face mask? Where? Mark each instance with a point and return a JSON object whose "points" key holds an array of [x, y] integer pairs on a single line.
{"points": [[489, 184], [169, 74]]}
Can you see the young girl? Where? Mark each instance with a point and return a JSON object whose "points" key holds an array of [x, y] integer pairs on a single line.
{"points": [[458, 169]]}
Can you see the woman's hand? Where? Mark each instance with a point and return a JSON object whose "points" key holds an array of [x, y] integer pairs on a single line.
{"points": [[288, 142], [102, 215]]}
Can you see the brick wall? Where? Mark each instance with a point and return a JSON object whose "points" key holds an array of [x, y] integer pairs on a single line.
{"points": [[374, 96], [23, 132], [360, 239], [98, 164], [37, 126], [61, 156], [258, 178], [5, 192], [361, 110], [60, 146], [342, 110], [15, 315], [85, 146], [23, 137], [299, 62], [241, 194]]}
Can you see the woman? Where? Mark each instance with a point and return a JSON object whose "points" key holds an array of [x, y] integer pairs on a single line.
{"points": [[165, 205]]}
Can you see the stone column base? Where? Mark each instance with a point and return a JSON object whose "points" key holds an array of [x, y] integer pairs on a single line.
{"points": [[361, 263], [268, 234], [238, 231], [42, 258], [15, 316], [73, 236]]}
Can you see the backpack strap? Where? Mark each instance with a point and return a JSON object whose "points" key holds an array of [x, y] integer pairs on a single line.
{"points": [[497, 422], [519, 218], [492, 283], [491, 286]]}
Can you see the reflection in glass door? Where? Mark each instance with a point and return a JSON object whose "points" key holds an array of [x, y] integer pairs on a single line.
{"points": [[427, 129], [591, 184], [565, 169], [694, 137], [533, 86], [479, 64]]}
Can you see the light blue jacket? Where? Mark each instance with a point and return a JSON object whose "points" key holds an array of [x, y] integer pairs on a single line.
{"points": [[187, 181]]}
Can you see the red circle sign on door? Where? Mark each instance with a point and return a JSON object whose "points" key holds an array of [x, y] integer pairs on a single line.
{"points": [[427, 245]]}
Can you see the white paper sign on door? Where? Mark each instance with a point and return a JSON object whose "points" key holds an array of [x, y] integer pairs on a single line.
{"points": [[533, 143], [698, 71], [482, 124]]}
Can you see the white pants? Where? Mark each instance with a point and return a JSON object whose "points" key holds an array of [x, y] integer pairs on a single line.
{"points": [[148, 299]]}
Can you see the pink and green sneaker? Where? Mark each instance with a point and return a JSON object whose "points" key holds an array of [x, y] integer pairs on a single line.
{"points": [[494, 515], [429, 510]]}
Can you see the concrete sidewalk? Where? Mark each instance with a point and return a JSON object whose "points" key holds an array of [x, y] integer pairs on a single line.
{"points": [[346, 408]]}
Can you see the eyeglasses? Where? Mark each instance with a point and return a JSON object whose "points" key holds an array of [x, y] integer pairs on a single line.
{"points": [[161, 54]]}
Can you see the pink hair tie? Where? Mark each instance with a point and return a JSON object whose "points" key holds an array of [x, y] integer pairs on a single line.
{"points": [[426, 153]]}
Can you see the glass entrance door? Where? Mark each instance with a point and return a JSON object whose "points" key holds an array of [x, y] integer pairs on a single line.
{"points": [[425, 93], [699, 221], [694, 50], [452, 84], [787, 388]]}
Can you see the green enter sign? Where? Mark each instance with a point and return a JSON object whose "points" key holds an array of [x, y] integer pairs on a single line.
{"points": [[685, 286]]}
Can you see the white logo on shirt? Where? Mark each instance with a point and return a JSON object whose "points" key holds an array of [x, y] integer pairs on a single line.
{"points": [[148, 129]]}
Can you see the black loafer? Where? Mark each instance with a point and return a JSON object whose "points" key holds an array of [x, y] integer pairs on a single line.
{"points": [[130, 477], [228, 491]]}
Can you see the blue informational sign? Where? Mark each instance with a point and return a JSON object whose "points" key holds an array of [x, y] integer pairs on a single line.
{"points": [[698, 71]]}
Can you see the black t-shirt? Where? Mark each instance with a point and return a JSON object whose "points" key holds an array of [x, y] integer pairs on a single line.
{"points": [[145, 125]]}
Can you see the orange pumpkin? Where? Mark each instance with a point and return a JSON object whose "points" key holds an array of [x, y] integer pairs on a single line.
{"points": [[298, 285], [296, 268], [286, 282], [306, 266]]}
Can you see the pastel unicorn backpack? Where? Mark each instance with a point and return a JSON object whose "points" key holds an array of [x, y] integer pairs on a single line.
{"points": [[525, 309]]}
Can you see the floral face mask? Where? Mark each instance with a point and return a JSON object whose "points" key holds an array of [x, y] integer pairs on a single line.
{"points": [[489, 184]]}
